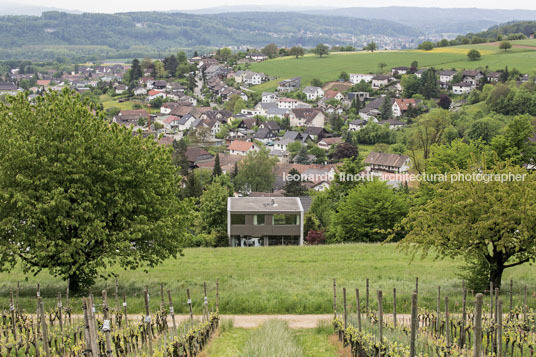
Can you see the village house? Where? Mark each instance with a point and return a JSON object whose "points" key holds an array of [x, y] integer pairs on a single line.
{"points": [[333, 94], [239, 147], [399, 70], [272, 125], [131, 117], [380, 161], [472, 77], [316, 133], [401, 106], [268, 97], [119, 89], [328, 143], [420, 72], [289, 85], [196, 155], [301, 117], [394, 124], [494, 76], [185, 123], [139, 91], [257, 57], [8, 88], [362, 96], [153, 94], [358, 77], [462, 88], [171, 123], [356, 124], [313, 93], [264, 135], [264, 221], [446, 76], [287, 103], [380, 81]]}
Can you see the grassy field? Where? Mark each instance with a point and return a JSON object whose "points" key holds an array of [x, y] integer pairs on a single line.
{"points": [[328, 68], [237, 342], [273, 280], [109, 102]]}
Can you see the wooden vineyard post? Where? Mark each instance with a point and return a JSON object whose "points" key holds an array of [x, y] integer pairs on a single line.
{"points": [[162, 302], [217, 295], [464, 316], [87, 332], [525, 309], [477, 343], [13, 317], [335, 298], [380, 316], [417, 285], [125, 308], [36, 338], [92, 326], [172, 313], [511, 298], [17, 306], [367, 301], [491, 301], [414, 324], [205, 301], [438, 319], [43, 326], [358, 305], [116, 295], [499, 328], [60, 318], [394, 307], [148, 321], [447, 327], [68, 302], [106, 324], [496, 318], [344, 308], [190, 306]]}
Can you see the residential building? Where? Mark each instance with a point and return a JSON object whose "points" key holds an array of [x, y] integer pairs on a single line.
{"points": [[264, 221], [306, 117], [356, 124], [462, 88], [239, 147], [358, 77], [380, 81], [380, 161], [400, 106], [313, 93], [289, 85]]}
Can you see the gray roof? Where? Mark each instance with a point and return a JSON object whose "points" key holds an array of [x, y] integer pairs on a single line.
{"points": [[264, 204], [447, 72], [310, 89]]}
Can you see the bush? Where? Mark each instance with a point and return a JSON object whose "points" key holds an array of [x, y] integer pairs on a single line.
{"points": [[315, 238]]}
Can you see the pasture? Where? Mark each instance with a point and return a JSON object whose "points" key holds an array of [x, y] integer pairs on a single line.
{"points": [[275, 280], [329, 67]]}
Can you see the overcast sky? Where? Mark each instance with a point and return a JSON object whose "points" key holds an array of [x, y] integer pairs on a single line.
{"points": [[137, 5]]}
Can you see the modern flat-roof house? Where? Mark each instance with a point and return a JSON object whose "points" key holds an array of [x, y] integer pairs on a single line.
{"points": [[264, 221]]}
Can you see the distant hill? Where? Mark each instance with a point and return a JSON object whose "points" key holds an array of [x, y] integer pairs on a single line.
{"points": [[433, 20], [13, 8], [149, 33], [510, 28]]}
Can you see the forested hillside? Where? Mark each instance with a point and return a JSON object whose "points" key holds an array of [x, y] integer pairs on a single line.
{"points": [[150, 33]]}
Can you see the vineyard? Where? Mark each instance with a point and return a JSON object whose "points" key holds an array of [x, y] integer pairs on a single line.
{"points": [[105, 329], [479, 326]]}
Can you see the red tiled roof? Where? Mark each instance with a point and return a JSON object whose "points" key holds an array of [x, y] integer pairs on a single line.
{"points": [[239, 145], [404, 104]]}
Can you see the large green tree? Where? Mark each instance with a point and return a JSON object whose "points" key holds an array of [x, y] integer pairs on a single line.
{"points": [[494, 221], [256, 172], [367, 212], [80, 195]]}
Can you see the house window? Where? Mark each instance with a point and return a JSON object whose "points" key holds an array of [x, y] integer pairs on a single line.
{"points": [[238, 219], [285, 219], [258, 220]]}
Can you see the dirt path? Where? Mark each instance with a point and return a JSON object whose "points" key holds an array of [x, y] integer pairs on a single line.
{"points": [[252, 321]]}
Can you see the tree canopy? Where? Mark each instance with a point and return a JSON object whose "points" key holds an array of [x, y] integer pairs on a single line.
{"points": [[80, 195]]}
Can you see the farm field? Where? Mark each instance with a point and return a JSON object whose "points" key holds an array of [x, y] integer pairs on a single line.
{"points": [[275, 280], [329, 67]]}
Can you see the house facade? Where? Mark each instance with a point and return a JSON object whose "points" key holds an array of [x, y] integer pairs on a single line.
{"points": [[264, 221]]}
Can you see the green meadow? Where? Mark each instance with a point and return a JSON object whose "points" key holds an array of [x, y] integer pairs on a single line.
{"points": [[275, 280], [329, 67]]}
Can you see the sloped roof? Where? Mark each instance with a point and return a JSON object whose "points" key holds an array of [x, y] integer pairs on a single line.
{"points": [[239, 145], [382, 158]]}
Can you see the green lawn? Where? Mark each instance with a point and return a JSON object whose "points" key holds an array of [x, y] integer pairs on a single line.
{"points": [[273, 280], [109, 102], [313, 342], [328, 68]]}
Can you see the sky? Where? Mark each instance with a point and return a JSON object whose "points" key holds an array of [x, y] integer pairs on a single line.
{"points": [[108, 6]]}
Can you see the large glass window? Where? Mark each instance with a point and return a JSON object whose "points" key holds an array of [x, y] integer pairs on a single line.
{"points": [[238, 219], [286, 219], [258, 220]]}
